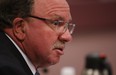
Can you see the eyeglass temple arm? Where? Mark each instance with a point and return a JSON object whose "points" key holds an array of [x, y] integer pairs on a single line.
{"points": [[38, 17]]}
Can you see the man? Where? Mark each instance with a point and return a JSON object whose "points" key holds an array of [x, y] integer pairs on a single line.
{"points": [[33, 34]]}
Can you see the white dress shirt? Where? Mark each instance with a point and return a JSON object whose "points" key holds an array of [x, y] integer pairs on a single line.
{"points": [[31, 66]]}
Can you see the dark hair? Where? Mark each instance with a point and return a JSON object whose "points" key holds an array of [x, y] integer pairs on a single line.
{"points": [[10, 9]]}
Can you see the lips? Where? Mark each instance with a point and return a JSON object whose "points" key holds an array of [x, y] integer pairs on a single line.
{"points": [[59, 50], [58, 47]]}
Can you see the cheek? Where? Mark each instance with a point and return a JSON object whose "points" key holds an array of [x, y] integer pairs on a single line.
{"points": [[42, 43], [47, 38], [42, 37], [47, 41], [39, 43]]}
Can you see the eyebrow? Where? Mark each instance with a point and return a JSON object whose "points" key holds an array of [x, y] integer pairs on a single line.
{"points": [[58, 17]]}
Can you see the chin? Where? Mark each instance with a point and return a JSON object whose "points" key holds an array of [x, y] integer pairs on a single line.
{"points": [[53, 62]]}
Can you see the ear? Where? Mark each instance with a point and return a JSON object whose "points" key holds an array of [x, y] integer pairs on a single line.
{"points": [[19, 28]]}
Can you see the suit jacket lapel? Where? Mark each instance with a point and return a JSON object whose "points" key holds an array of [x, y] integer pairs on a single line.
{"points": [[14, 51]]}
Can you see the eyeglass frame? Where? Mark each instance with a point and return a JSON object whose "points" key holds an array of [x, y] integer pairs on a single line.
{"points": [[54, 21]]}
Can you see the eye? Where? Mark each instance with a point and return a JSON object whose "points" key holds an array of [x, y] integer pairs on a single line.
{"points": [[58, 22]]}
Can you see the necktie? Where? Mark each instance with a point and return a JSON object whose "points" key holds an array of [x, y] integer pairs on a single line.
{"points": [[37, 73]]}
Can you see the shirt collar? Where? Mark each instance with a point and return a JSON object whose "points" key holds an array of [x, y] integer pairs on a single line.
{"points": [[31, 66]]}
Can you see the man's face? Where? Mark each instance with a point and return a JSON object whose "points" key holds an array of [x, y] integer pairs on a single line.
{"points": [[43, 44]]}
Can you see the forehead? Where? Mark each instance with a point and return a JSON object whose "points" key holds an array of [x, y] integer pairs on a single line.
{"points": [[51, 7]]}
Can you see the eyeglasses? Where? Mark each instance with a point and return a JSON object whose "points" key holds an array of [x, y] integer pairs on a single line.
{"points": [[58, 25]]}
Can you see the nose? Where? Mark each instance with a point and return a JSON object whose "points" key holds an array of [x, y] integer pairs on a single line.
{"points": [[66, 37]]}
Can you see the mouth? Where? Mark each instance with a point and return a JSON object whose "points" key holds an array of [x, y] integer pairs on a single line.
{"points": [[59, 50], [58, 47]]}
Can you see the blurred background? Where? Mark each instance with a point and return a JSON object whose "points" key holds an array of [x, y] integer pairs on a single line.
{"points": [[95, 32]]}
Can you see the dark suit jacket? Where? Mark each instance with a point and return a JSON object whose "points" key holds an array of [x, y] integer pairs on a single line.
{"points": [[11, 61]]}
